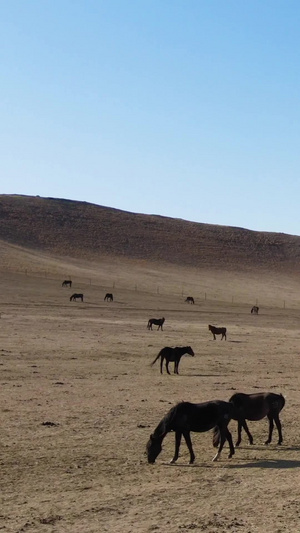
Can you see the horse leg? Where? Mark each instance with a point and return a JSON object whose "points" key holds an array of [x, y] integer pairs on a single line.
{"points": [[188, 441], [245, 426], [178, 436], [222, 442], [229, 439], [271, 426], [278, 425], [167, 366], [239, 440], [161, 364], [214, 336]]}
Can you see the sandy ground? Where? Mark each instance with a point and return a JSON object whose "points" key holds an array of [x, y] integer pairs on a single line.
{"points": [[79, 400]]}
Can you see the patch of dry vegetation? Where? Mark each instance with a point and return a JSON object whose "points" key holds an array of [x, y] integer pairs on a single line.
{"points": [[79, 398]]}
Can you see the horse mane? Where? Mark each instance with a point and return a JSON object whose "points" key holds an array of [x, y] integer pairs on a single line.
{"points": [[165, 425]]}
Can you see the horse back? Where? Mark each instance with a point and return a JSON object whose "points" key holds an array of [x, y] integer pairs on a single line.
{"points": [[256, 406], [202, 417]]}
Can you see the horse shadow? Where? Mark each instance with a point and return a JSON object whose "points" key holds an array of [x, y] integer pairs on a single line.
{"points": [[276, 464], [279, 464]]}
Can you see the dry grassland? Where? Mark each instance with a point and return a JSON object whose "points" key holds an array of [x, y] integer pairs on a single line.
{"points": [[79, 399]]}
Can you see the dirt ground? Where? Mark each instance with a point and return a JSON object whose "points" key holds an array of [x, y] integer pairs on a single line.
{"points": [[79, 400]]}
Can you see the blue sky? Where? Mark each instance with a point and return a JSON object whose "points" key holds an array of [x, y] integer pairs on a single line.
{"points": [[188, 108]]}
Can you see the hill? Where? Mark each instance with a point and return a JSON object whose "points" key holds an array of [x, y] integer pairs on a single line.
{"points": [[82, 230]]}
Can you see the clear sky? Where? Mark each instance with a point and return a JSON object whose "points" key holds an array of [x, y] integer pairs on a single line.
{"points": [[183, 108]]}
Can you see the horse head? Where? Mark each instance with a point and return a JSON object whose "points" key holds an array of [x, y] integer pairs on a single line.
{"points": [[190, 351], [153, 448]]}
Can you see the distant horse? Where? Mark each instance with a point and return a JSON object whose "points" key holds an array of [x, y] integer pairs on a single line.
{"points": [[256, 407], [255, 310], [75, 296], [172, 355], [186, 417], [218, 331], [109, 297], [190, 300], [157, 322], [66, 283]]}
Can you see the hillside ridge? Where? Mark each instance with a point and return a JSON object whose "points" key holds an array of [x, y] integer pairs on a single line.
{"points": [[80, 229]]}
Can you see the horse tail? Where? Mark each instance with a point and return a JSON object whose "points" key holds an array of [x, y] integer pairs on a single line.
{"points": [[282, 401], [157, 357], [216, 436]]}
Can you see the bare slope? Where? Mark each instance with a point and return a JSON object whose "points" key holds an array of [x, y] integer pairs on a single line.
{"points": [[87, 231]]}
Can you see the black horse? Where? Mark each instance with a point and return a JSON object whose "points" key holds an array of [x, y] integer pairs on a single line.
{"points": [[190, 300], [218, 331], [254, 310], [199, 417], [157, 322], [172, 355], [256, 407], [109, 297], [67, 283], [76, 296]]}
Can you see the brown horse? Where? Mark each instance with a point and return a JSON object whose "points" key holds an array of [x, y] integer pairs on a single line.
{"points": [[157, 322], [172, 355], [76, 296], [66, 283], [256, 407], [218, 331], [199, 417], [190, 300]]}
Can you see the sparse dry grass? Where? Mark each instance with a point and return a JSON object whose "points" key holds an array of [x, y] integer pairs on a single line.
{"points": [[79, 398]]}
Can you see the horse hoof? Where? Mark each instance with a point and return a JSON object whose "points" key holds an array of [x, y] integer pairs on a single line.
{"points": [[216, 457]]}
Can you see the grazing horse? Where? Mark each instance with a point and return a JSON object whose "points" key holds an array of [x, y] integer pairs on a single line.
{"points": [[218, 331], [255, 310], [190, 300], [66, 283], [199, 417], [256, 407], [172, 355], [157, 322], [109, 297], [75, 296]]}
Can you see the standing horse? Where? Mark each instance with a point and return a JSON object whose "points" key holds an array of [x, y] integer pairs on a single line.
{"points": [[75, 296], [157, 322], [218, 331], [254, 310], [66, 283], [256, 407], [190, 300], [109, 297], [199, 417], [172, 355]]}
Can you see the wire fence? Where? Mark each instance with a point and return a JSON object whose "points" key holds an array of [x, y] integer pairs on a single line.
{"points": [[169, 288]]}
